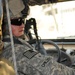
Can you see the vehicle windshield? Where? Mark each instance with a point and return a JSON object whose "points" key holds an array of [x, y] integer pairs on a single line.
{"points": [[55, 21]]}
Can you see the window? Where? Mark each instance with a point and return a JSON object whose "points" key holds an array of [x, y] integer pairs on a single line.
{"points": [[55, 21]]}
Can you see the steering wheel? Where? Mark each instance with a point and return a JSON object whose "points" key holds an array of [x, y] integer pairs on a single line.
{"points": [[56, 46], [59, 55], [39, 46]]}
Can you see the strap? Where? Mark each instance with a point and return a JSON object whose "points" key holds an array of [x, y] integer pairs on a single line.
{"points": [[16, 41]]}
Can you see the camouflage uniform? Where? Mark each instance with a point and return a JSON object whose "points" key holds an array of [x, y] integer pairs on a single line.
{"points": [[30, 62]]}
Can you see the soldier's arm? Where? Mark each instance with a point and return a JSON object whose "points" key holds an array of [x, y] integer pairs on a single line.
{"points": [[46, 65], [33, 63]]}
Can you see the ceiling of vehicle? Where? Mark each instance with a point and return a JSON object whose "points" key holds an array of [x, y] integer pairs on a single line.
{"points": [[40, 2]]}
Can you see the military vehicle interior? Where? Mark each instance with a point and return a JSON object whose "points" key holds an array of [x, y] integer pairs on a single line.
{"points": [[50, 28]]}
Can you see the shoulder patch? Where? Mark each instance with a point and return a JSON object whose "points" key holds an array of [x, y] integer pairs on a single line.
{"points": [[29, 54]]}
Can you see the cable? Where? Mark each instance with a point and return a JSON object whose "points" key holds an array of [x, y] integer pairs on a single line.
{"points": [[11, 37]]}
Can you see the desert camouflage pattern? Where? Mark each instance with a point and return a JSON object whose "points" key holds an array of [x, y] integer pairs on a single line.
{"points": [[30, 62], [6, 68]]}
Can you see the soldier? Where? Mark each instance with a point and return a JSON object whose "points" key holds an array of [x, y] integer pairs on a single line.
{"points": [[29, 61]]}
